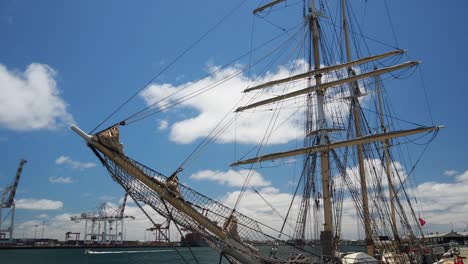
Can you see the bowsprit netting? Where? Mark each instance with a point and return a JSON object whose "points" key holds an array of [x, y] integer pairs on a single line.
{"points": [[224, 229]]}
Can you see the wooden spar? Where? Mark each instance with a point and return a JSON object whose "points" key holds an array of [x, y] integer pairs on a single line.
{"points": [[260, 9], [338, 144], [162, 190], [325, 70], [324, 86], [386, 146], [159, 187]]}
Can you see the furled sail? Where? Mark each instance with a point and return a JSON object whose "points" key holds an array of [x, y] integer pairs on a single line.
{"points": [[324, 86], [324, 70], [338, 144]]}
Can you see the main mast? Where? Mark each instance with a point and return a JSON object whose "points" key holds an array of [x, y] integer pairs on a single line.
{"points": [[356, 111], [326, 236], [317, 143]]}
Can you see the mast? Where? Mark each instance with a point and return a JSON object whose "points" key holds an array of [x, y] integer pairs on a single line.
{"points": [[321, 144], [345, 27], [388, 171], [326, 236], [360, 150]]}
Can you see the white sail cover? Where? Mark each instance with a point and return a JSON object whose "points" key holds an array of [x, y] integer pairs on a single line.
{"points": [[359, 257]]}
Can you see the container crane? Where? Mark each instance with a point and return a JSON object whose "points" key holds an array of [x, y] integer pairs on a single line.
{"points": [[105, 225], [161, 233], [7, 206]]}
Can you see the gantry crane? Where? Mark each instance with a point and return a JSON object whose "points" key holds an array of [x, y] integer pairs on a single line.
{"points": [[7, 205], [105, 225], [161, 233]]}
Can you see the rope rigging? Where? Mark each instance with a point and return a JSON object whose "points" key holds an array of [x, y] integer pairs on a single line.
{"points": [[341, 163], [215, 131], [268, 133], [177, 58], [148, 111], [168, 239]]}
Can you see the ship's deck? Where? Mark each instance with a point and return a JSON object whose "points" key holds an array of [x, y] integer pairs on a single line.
{"points": [[464, 253]]}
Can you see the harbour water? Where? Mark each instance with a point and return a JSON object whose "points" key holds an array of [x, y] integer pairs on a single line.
{"points": [[106, 255], [151, 255]]}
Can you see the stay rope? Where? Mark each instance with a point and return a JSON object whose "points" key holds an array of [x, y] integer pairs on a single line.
{"points": [[176, 59]]}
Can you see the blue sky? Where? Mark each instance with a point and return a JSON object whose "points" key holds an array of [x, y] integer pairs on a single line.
{"points": [[88, 57]]}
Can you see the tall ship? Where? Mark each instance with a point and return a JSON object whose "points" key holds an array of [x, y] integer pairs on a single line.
{"points": [[348, 156]]}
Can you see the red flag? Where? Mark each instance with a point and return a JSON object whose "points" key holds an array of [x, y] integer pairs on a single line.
{"points": [[421, 221]]}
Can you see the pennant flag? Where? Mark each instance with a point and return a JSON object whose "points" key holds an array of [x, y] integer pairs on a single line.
{"points": [[458, 260], [421, 221]]}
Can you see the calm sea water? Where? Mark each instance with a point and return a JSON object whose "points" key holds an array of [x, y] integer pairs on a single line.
{"points": [[204, 255], [120, 255]]}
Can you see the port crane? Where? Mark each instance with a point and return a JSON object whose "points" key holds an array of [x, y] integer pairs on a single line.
{"points": [[105, 225], [161, 233], [7, 206]]}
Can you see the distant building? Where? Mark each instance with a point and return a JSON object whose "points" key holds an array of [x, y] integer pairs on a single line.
{"points": [[441, 238], [465, 235]]}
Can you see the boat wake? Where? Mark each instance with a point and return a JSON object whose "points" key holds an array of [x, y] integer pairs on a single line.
{"points": [[126, 252]]}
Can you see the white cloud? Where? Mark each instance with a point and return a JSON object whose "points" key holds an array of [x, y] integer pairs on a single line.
{"points": [[253, 206], [135, 229], [163, 124], [439, 203], [374, 170], [463, 177], [204, 111], [231, 177], [445, 203], [31, 100], [43, 216], [56, 226], [60, 180], [213, 105], [73, 163], [38, 204], [62, 160], [450, 172], [442, 204], [106, 198]]}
